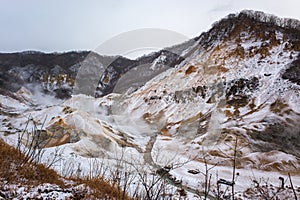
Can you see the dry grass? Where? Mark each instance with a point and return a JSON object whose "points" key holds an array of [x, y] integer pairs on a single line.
{"points": [[103, 189], [14, 171]]}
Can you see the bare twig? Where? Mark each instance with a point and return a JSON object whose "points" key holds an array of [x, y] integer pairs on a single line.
{"points": [[292, 186]]}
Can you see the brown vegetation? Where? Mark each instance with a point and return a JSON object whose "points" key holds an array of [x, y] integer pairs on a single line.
{"points": [[190, 70], [14, 171], [103, 189], [28, 175]]}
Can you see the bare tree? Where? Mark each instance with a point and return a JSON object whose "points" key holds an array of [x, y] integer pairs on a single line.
{"points": [[154, 182], [234, 167], [234, 174], [207, 176], [122, 175]]}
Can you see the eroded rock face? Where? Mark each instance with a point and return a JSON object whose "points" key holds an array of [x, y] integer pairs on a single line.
{"points": [[277, 135], [237, 93], [60, 133], [124, 73], [51, 72], [62, 74], [293, 72]]}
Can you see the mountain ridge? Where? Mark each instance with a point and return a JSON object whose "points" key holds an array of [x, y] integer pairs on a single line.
{"points": [[112, 73], [232, 93], [246, 43]]}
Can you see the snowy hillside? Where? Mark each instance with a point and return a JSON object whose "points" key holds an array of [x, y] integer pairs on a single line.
{"points": [[228, 98], [233, 88]]}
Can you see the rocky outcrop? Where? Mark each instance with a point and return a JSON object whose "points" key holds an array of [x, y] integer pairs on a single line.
{"points": [[293, 72]]}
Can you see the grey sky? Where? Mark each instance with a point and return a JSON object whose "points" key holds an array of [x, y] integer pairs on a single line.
{"points": [[62, 25]]}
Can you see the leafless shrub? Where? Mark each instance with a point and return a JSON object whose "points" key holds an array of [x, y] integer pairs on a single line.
{"points": [[33, 143]]}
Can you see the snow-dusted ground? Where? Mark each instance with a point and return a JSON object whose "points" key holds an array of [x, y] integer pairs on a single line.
{"points": [[180, 118], [92, 118], [44, 191]]}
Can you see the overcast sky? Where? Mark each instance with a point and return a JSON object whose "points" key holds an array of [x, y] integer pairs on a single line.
{"points": [[63, 25]]}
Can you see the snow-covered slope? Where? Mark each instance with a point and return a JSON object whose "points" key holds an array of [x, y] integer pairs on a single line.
{"points": [[233, 88], [236, 85]]}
